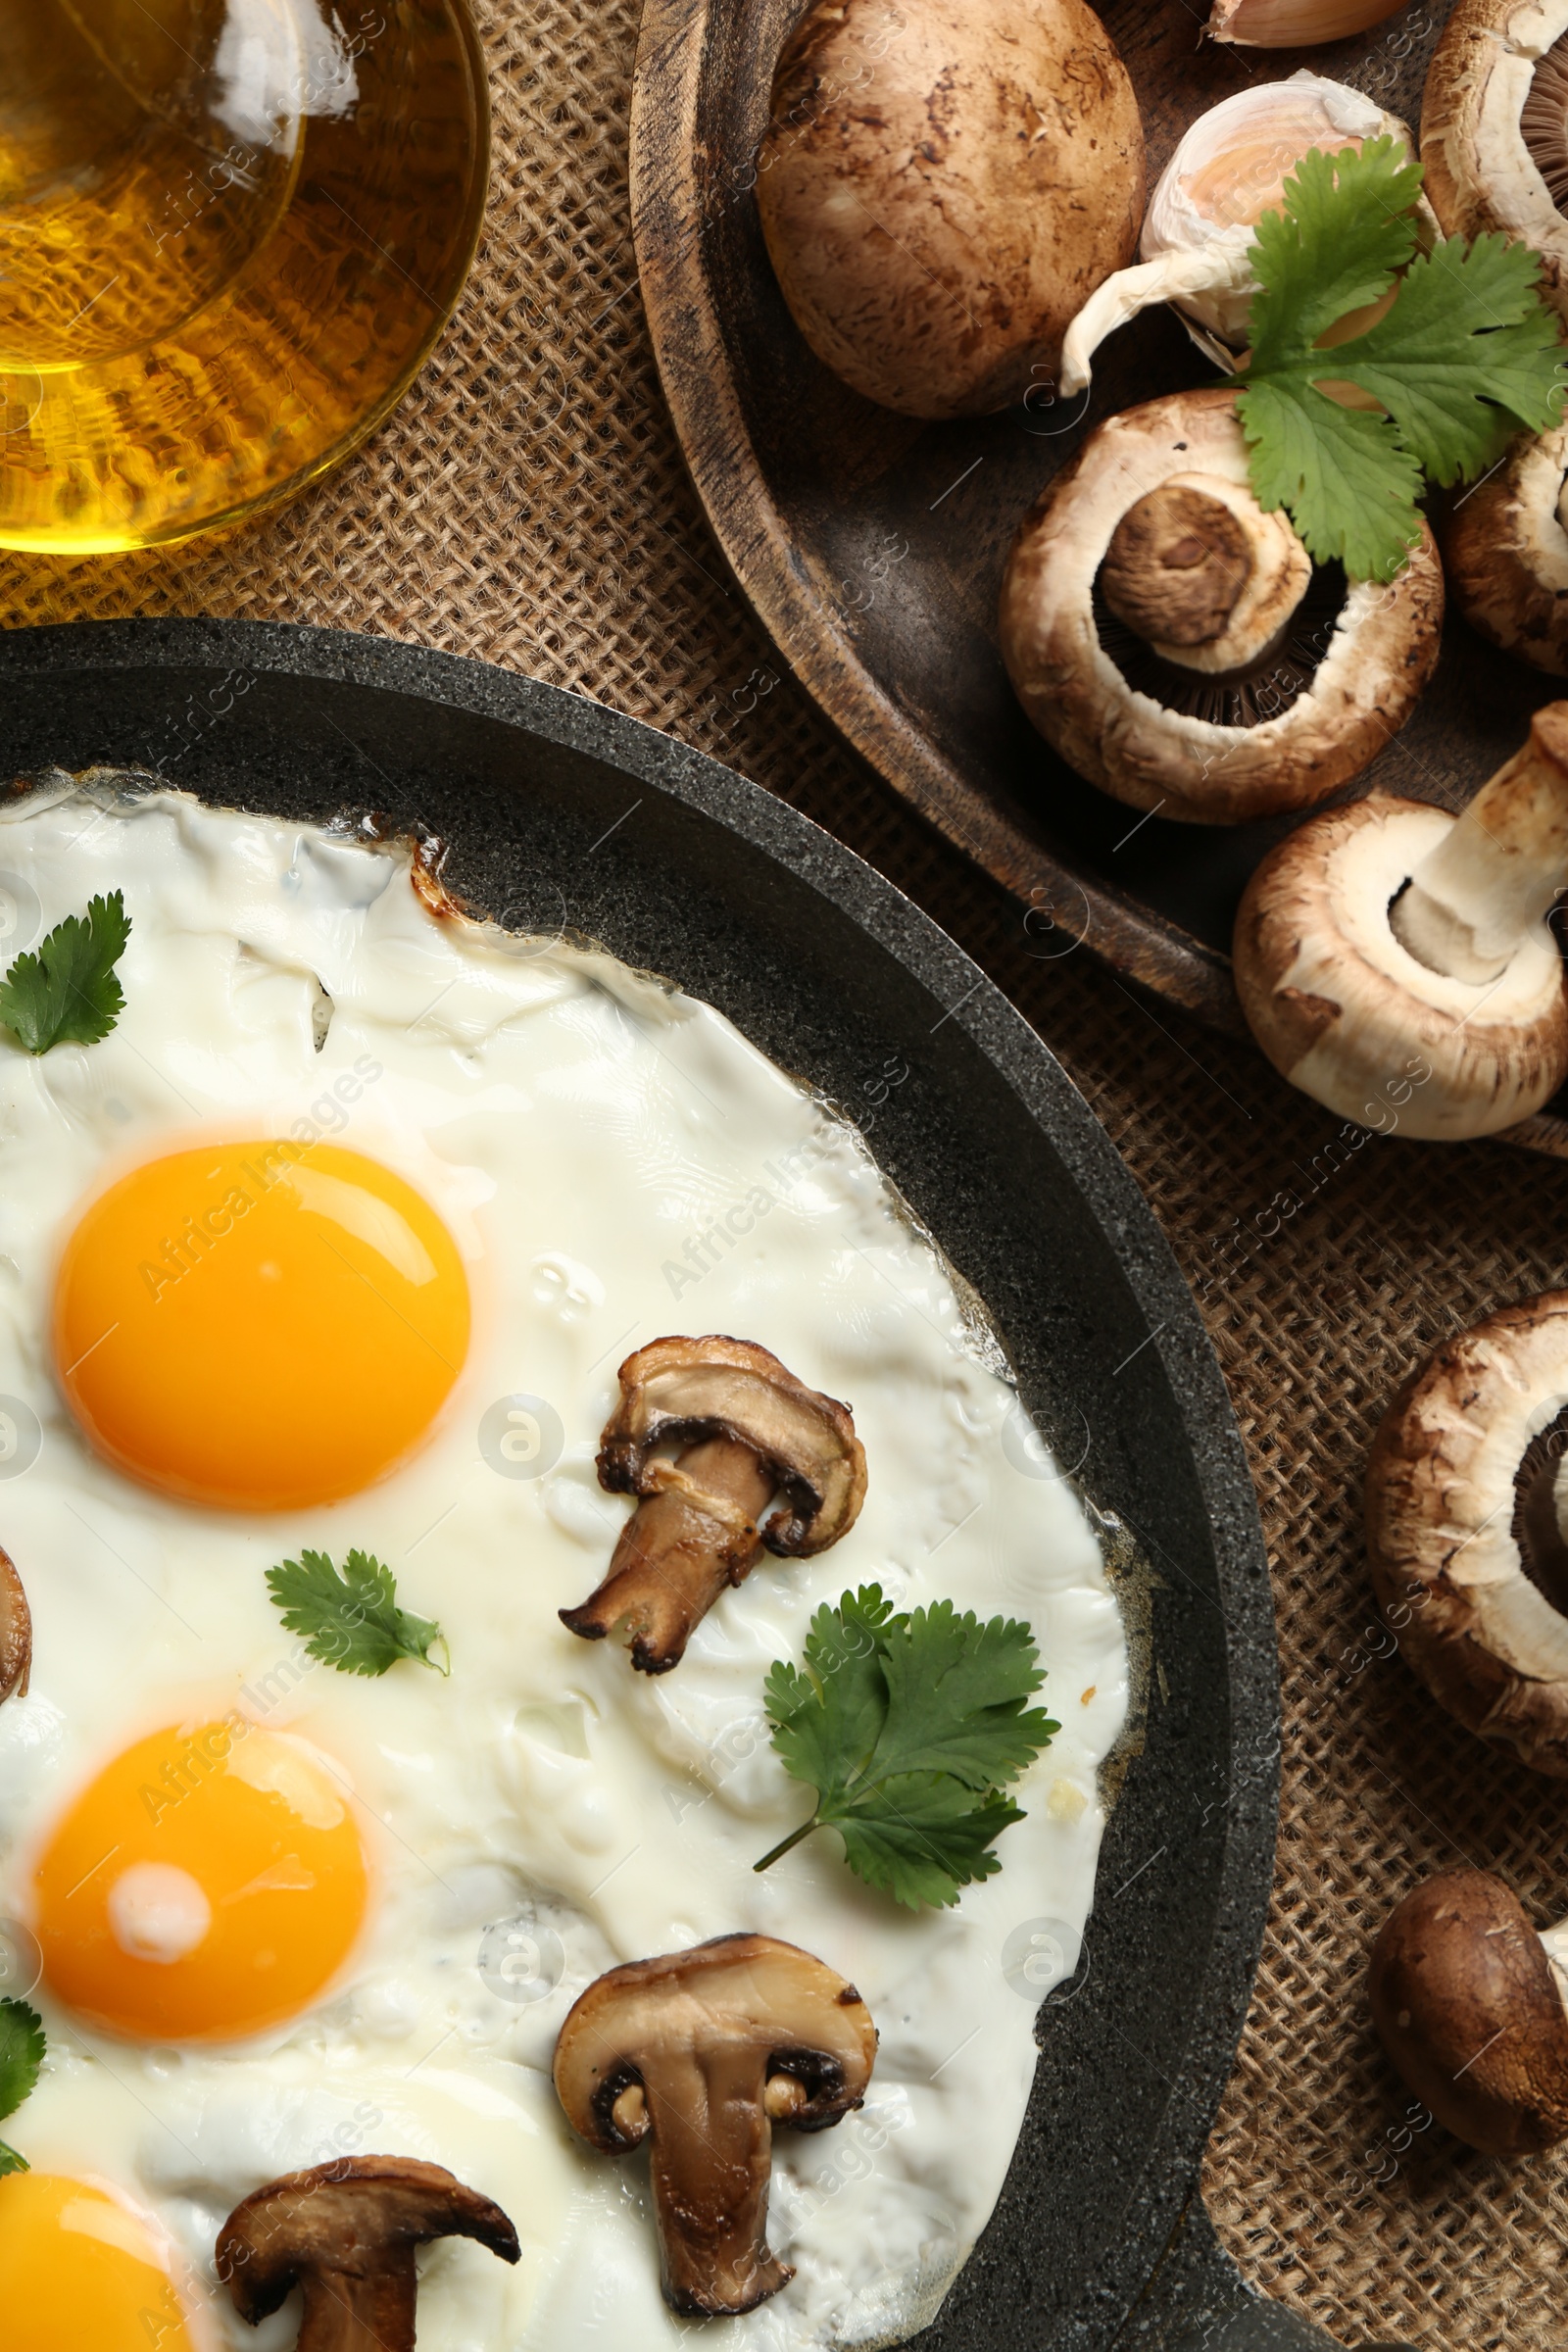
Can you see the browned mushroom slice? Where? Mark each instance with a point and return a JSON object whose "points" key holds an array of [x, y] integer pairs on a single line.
{"points": [[1470, 2008], [702, 2053], [345, 2234], [738, 1430], [15, 1633]]}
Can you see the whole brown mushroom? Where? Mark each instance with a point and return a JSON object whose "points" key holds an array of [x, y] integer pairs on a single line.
{"points": [[702, 2053], [943, 186], [1468, 2001], [708, 1433], [1505, 551], [1467, 1528], [1388, 941], [1171, 640]]}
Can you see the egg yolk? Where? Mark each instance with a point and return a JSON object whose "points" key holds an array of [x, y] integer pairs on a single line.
{"points": [[81, 2273], [259, 1326], [209, 1884]]}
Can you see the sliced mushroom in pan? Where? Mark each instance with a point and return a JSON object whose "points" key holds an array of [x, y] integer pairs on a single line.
{"points": [[702, 2053], [1467, 1528], [1390, 938], [1505, 551], [1469, 2003], [15, 1633], [708, 1433], [1174, 642], [1495, 128], [345, 2234]]}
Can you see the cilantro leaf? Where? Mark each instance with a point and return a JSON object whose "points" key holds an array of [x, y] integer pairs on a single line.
{"points": [[909, 1727], [1466, 353], [67, 988], [350, 1621], [22, 2047]]}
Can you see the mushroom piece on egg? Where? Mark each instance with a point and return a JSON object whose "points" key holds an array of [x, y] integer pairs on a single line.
{"points": [[1467, 1528], [345, 2234], [1468, 2001], [15, 1633], [1505, 550], [1175, 643], [702, 2053], [1495, 128], [708, 1433], [1228, 171], [1390, 937]]}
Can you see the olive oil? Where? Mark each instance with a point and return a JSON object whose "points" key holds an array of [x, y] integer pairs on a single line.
{"points": [[230, 232]]}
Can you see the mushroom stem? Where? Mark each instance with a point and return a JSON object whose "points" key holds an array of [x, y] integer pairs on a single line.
{"points": [[676, 1552], [15, 1633], [1475, 898], [348, 2311]]}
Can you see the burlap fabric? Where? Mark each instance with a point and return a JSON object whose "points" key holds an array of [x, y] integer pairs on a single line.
{"points": [[527, 505]]}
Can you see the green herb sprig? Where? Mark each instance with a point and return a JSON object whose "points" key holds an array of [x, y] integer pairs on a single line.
{"points": [[22, 2049], [68, 989], [909, 1728], [351, 1621], [1465, 355]]}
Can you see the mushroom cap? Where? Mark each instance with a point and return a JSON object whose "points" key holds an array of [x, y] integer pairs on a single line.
{"points": [[1383, 649], [346, 2218], [1444, 1514], [939, 198], [1479, 174], [702, 2053], [1345, 1011], [684, 1391], [1505, 551], [1470, 2010], [785, 2011], [15, 1631]]}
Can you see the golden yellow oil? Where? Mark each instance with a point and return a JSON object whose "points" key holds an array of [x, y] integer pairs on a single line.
{"points": [[230, 232]]}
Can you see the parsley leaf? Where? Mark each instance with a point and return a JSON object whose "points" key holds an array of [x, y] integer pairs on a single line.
{"points": [[908, 1728], [350, 1621], [1466, 354], [23, 2045], [67, 988]]}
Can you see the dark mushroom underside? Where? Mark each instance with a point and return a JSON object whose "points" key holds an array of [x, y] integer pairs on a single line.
{"points": [[1544, 122], [1543, 1553], [1249, 696]]}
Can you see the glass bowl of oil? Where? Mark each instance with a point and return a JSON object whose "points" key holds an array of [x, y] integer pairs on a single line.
{"points": [[230, 231]]}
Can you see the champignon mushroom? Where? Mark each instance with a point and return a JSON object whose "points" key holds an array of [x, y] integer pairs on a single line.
{"points": [[941, 189], [1292, 681], [1505, 550], [1467, 1528], [1495, 128], [1468, 2002], [701, 2054], [744, 1430], [345, 2233], [1390, 936], [15, 1633]]}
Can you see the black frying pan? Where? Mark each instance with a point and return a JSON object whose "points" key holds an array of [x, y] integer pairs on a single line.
{"points": [[561, 814]]}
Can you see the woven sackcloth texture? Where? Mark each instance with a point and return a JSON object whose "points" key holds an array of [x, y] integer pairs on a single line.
{"points": [[527, 505]]}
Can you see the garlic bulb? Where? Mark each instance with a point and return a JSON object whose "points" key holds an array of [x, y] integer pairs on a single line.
{"points": [[1230, 168], [1294, 24]]}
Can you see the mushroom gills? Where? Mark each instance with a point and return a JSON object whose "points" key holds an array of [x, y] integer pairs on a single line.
{"points": [[1255, 691], [1544, 122], [1541, 1512]]}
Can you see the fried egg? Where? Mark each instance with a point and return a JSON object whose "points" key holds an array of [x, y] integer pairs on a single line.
{"points": [[335, 1243]]}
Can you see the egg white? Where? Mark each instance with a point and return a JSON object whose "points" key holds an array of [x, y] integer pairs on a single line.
{"points": [[581, 1128]]}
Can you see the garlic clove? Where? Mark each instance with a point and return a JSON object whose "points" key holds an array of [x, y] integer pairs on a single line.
{"points": [[1229, 169], [1294, 24]]}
